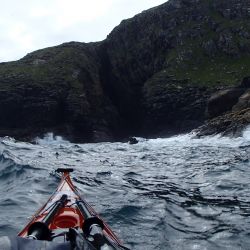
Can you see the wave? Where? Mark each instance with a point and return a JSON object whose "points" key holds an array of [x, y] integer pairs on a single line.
{"points": [[182, 187], [9, 168], [51, 139]]}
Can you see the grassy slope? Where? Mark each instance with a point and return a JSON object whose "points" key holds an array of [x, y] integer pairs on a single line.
{"points": [[210, 70]]}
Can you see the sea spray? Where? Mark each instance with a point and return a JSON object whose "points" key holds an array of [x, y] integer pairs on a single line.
{"points": [[165, 193]]}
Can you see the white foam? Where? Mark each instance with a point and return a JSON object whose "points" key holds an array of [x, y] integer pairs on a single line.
{"points": [[215, 140], [51, 139], [246, 134]]}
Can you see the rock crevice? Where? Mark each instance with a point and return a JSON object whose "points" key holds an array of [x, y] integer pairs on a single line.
{"points": [[153, 74]]}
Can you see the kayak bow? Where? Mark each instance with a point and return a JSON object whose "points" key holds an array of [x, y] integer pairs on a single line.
{"points": [[68, 217]]}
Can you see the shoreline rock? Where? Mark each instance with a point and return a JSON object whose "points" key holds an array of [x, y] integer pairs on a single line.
{"points": [[153, 74], [230, 124]]}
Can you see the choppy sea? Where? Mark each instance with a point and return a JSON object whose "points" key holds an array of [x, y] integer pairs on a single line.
{"points": [[173, 193]]}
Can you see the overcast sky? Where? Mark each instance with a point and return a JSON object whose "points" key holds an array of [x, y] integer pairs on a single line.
{"points": [[28, 25]]}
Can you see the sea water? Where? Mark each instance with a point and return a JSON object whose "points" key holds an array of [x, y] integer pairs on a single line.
{"points": [[172, 193]]}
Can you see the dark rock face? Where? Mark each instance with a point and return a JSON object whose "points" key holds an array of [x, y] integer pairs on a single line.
{"points": [[230, 110], [154, 73], [243, 102], [223, 101], [169, 102], [245, 82], [229, 124], [56, 89]]}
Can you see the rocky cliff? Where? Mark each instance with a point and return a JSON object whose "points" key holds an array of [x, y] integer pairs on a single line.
{"points": [[152, 75]]}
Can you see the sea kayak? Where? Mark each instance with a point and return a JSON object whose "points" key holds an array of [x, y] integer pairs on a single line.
{"points": [[66, 221]]}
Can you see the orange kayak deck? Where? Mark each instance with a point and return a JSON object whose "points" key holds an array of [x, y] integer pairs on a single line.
{"points": [[68, 216]]}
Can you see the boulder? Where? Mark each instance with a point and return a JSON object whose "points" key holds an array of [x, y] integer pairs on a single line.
{"points": [[243, 103], [132, 140], [245, 82], [153, 72], [229, 124], [223, 101]]}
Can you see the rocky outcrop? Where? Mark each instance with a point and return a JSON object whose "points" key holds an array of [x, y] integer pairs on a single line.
{"points": [[223, 101], [231, 109], [169, 102], [229, 124], [57, 89], [154, 73], [243, 102], [170, 65]]}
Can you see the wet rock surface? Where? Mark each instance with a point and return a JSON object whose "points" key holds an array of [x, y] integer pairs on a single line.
{"points": [[229, 124], [231, 109], [154, 74]]}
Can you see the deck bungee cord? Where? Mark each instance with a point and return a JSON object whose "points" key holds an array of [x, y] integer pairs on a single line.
{"points": [[65, 222]]}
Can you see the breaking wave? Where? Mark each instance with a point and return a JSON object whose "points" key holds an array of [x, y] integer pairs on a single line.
{"points": [[166, 193]]}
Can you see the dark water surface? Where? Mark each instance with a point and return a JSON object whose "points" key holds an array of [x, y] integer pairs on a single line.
{"points": [[175, 193]]}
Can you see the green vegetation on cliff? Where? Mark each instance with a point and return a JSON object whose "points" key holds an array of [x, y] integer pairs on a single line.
{"points": [[154, 72]]}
